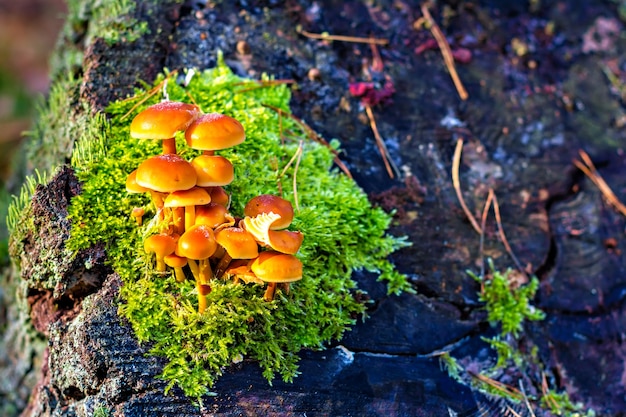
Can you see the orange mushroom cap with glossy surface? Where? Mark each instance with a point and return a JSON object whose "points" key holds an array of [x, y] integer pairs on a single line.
{"points": [[211, 214], [194, 196], [213, 170], [166, 173], [163, 120], [219, 196], [198, 242], [132, 186], [238, 243], [214, 131], [268, 203], [276, 267], [161, 245], [285, 241]]}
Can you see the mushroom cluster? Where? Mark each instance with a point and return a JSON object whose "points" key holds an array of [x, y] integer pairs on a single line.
{"points": [[197, 232]]}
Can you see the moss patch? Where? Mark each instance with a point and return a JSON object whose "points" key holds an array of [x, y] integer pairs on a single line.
{"points": [[343, 233]]}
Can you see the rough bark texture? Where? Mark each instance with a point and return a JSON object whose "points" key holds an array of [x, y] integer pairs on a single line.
{"points": [[523, 124]]}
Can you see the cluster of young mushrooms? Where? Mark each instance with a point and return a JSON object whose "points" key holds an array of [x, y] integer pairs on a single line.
{"points": [[197, 233]]}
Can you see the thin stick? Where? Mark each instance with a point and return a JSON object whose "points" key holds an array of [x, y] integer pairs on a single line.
{"points": [[342, 38], [507, 389], [530, 410], [381, 144], [483, 222], [295, 174], [456, 161], [589, 169], [313, 136], [149, 94], [505, 242], [444, 47]]}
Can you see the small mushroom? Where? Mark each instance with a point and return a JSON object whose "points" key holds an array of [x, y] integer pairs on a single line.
{"points": [[213, 170], [137, 214], [239, 270], [177, 262], [238, 244], [220, 196], [164, 174], [214, 131], [276, 268], [188, 199], [212, 215], [161, 122], [198, 244], [268, 203], [162, 245]]}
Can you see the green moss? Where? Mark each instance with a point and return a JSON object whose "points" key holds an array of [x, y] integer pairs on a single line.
{"points": [[343, 233], [506, 306]]}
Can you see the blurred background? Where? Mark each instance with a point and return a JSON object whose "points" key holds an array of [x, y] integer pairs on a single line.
{"points": [[28, 33]]}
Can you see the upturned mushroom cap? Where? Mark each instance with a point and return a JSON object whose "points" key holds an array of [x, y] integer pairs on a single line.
{"points": [[213, 170], [166, 173], [238, 243], [214, 131], [198, 242], [163, 120], [195, 196], [277, 267], [267, 203]]}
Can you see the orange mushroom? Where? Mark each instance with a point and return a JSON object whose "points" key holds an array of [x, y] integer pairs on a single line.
{"points": [[162, 245], [276, 268], [213, 170], [238, 244], [198, 244], [219, 196], [177, 262], [214, 131], [188, 199], [211, 214], [161, 122], [284, 241], [163, 174]]}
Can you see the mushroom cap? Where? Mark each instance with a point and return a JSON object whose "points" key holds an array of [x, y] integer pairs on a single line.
{"points": [[175, 261], [239, 268], [132, 186], [213, 170], [161, 244], [163, 120], [214, 131], [273, 266], [237, 242], [220, 196], [211, 214], [266, 203], [198, 242], [166, 173], [285, 241], [195, 196]]}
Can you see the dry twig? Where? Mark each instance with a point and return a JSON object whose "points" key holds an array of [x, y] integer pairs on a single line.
{"points": [[148, 94], [297, 156], [505, 242], [589, 169], [456, 162], [342, 38], [313, 136], [504, 388], [381, 144], [483, 222], [444, 47]]}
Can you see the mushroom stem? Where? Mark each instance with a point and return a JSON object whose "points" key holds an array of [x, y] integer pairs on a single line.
{"points": [[203, 290], [284, 286], [178, 216], [180, 275], [222, 265], [194, 269], [190, 216], [270, 291], [160, 263], [169, 145], [208, 152], [205, 271], [157, 199]]}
